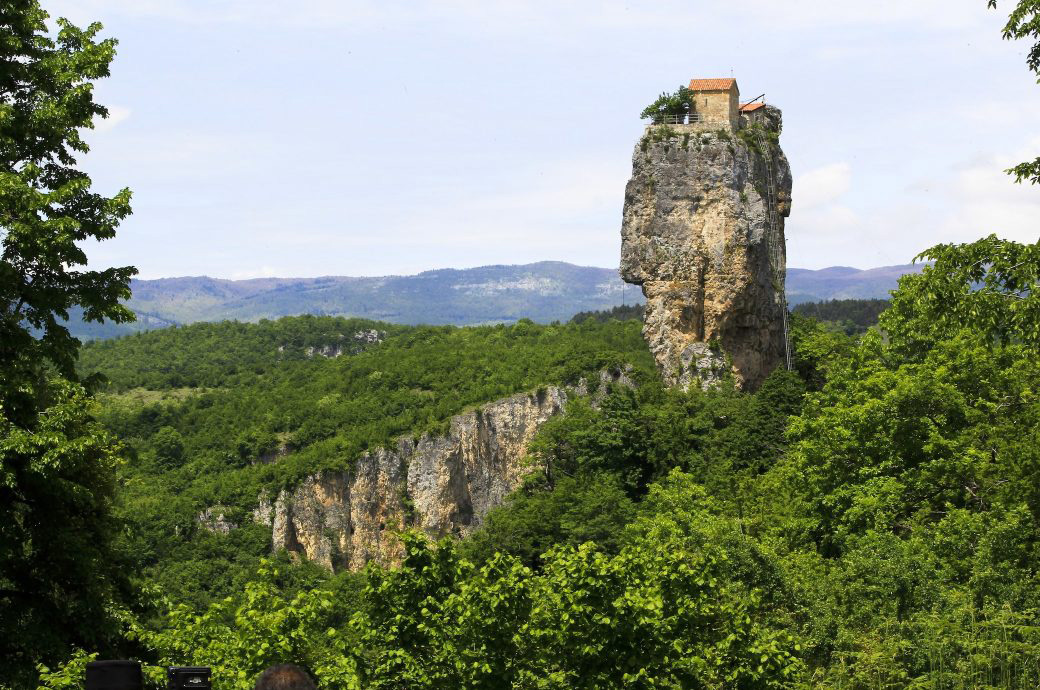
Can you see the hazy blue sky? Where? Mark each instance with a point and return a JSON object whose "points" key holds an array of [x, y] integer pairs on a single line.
{"points": [[266, 137]]}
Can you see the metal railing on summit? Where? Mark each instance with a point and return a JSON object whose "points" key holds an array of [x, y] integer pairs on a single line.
{"points": [[683, 119]]}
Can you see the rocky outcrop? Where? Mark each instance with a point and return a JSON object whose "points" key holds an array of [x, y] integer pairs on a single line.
{"points": [[440, 484], [703, 234], [274, 454], [351, 345], [342, 344], [215, 519]]}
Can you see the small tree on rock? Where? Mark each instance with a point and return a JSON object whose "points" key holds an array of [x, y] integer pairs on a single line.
{"points": [[668, 105]]}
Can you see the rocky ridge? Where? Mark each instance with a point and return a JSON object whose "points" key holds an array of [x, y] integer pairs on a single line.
{"points": [[439, 484], [703, 235]]}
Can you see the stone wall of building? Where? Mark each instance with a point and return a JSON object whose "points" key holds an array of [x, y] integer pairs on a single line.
{"points": [[719, 107]]}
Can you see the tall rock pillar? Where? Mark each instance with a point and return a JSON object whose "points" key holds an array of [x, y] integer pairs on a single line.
{"points": [[703, 234]]}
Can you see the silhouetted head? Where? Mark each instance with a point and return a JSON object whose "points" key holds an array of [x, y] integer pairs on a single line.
{"points": [[284, 677]]}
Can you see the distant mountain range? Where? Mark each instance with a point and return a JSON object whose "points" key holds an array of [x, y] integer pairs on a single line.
{"points": [[844, 282], [543, 291]]}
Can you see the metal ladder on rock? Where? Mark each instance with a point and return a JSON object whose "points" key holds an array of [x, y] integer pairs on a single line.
{"points": [[776, 252]]}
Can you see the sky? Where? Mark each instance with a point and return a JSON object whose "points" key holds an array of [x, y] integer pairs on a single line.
{"points": [[355, 137]]}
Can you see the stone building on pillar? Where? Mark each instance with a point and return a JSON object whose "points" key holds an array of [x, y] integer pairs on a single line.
{"points": [[715, 101]]}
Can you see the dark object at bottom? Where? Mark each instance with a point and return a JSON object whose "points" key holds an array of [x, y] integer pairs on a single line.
{"points": [[191, 677], [114, 675]]}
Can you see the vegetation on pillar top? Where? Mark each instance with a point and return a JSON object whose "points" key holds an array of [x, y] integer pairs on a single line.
{"points": [[678, 103]]}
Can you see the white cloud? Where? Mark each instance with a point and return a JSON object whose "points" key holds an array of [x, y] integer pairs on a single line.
{"points": [[988, 201], [820, 237], [567, 210], [259, 272], [997, 115], [810, 13], [975, 199], [822, 185], [116, 115], [360, 198]]}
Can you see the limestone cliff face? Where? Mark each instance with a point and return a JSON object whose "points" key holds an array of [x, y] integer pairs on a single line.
{"points": [[703, 234], [440, 484]]}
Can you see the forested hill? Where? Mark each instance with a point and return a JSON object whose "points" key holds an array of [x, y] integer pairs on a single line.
{"points": [[219, 414], [544, 292], [851, 315], [854, 316]]}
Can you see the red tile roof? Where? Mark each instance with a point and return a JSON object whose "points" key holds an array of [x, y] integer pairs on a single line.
{"points": [[750, 107], [712, 84]]}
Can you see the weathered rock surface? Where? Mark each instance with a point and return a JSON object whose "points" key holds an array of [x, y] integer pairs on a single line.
{"points": [[703, 234], [440, 484], [215, 519], [347, 345]]}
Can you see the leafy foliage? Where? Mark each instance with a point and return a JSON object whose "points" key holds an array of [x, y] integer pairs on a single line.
{"points": [[870, 520], [226, 354], [60, 581], [241, 636], [1024, 22], [907, 505], [575, 510], [57, 563], [47, 97], [677, 103], [986, 288], [679, 606], [597, 463], [621, 313]]}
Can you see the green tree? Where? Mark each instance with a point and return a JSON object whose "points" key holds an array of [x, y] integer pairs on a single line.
{"points": [[678, 607], [47, 206], [907, 503], [675, 104], [169, 446], [987, 288], [239, 637], [588, 508], [1024, 22], [57, 567]]}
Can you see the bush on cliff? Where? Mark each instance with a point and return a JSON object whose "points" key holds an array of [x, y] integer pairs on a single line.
{"points": [[675, 104]]}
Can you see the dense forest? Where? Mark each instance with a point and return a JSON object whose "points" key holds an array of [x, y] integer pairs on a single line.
{"points": [[854, 316], [620, 313], [220, 414], [868, 519]]}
